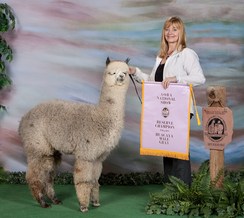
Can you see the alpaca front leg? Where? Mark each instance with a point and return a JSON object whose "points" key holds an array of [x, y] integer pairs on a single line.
{"points": [[83, 180], [83, 191], [95, 195], [97, 169]]}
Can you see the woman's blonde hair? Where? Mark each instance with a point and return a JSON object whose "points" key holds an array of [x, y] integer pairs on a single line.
{"points": [[181, 44]]}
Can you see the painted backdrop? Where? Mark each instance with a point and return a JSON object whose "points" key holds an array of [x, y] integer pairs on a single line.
{"points": [[60, 48]]}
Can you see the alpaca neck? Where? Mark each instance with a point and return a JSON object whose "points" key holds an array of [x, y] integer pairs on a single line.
{"points": [[113, 99]]}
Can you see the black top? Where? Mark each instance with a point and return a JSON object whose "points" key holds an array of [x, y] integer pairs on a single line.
{"points": [[159, 73]]}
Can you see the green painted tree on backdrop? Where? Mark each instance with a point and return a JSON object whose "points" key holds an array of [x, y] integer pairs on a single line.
{"points": [[7, 23]]}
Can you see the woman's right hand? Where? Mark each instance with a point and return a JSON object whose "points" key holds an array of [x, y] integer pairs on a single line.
{"points": [[132, 70]]}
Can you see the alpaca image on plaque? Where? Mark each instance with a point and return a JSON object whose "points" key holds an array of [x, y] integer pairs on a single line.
{"points": [[88, 131]]}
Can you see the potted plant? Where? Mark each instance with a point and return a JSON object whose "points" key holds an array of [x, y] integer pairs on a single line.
{"points": [[7, 23]]}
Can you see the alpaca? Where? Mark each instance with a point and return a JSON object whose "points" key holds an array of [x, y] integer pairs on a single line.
{"points": [[87, 131]]}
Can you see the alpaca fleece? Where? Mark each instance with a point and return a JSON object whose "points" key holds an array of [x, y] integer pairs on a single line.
{"points": [[87, 131]]}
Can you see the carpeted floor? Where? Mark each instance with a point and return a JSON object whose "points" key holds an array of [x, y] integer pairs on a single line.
{"points": [[116, 202]]}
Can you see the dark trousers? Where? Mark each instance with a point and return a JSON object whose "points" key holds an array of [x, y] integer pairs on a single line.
{"points": [[180, 169]]}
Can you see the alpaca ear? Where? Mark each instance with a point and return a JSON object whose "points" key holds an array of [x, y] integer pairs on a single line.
{"points": [[127, 60], [107, 61]]}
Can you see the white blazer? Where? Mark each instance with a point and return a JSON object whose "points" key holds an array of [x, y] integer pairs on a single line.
{"points": [[184, 65]]}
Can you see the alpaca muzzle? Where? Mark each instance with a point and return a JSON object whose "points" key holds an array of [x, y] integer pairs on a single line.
{"points": [[121, 78]]}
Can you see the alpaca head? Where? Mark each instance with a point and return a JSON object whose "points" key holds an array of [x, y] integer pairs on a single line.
{"points": [[116, 73]]}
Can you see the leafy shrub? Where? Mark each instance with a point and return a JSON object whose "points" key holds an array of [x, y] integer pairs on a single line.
{"points": [[202, 198]]}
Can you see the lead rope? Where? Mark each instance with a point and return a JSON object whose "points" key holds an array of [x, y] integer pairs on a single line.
{"points": [[135, 88]]}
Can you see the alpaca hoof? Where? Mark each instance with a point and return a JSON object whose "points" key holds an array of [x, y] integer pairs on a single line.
{"points": [[56, 201], [45, 205], [83, 209], [95, 204]]}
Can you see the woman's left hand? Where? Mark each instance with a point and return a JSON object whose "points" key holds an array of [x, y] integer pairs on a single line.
{"points": [[168, 80]]}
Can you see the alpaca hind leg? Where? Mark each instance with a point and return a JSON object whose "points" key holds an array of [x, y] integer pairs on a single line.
{"points": [[50, 191], [35, 181], [83, 180], [97, 169], [52, 162]]}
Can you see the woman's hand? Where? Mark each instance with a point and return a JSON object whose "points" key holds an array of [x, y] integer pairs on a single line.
{"points": [[132, 70], [169, 80]]}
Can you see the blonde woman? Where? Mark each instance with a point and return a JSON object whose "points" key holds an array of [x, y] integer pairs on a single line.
{"points": [[175, 63]]}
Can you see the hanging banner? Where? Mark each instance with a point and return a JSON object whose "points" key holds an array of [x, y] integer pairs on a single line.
{"points": [[165, 120], [217, 126]]}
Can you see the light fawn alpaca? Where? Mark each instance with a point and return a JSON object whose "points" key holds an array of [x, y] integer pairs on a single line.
{"points": [[87, 131]]}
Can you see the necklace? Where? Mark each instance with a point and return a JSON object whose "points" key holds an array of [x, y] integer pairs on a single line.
{"points": [[169, 53]]}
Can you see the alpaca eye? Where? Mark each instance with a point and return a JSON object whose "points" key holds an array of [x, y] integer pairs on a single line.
{"points": [[111, 73]]}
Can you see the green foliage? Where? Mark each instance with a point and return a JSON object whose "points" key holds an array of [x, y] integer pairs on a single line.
{"points": [[66, 178], [7, 18], [15, 178], [3, 175], [202, 198], [7, 23], [4, 80], [131, 179], [231, 200]]}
